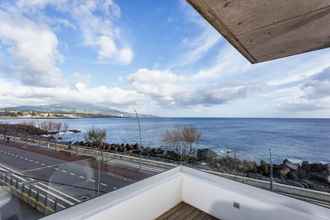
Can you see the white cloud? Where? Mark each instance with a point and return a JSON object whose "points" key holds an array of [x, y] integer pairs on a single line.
{"points": [[95, 20], [109, 50], [99, 31], [205, 87], [126, 55], [310, 94], [80, 92], [34, 3], [227, 62], [197, 47], [168, 88], [34, 48]]}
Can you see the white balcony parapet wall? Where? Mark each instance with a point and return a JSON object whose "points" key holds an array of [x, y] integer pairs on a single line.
{"points": [[216, 196], [150, 198], [146, 199]]}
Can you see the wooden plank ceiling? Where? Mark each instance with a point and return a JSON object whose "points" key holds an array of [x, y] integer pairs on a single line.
{"points": [[264, 30]]}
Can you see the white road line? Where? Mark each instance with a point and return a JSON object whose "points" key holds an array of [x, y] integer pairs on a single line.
{"points": [[72, 174], [14, 172], [64, 171], [60, 192], [40, 168], [92, 180], [81, 177], [103, 184]]}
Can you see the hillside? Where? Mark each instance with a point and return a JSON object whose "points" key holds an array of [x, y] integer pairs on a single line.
{"points": [[65, 111]]}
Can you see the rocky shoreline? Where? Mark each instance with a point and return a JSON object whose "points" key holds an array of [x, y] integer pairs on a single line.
{"points": [[314, 176]]}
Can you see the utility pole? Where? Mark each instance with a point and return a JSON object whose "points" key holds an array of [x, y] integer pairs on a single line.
{"points": [[271, 169], [140, 131], [139, 127]]}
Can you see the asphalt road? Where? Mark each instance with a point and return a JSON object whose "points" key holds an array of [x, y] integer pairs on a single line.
{"points": [[74, 181]]}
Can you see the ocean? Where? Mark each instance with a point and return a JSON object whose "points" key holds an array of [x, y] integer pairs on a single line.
{"points": [[247, 138]]}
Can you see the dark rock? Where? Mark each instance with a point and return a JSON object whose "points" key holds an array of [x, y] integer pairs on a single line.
{"points": [[284, 171], [317, 167], [322, 177], [328, 168], [292, 175], [290, 165], [263, 168]]}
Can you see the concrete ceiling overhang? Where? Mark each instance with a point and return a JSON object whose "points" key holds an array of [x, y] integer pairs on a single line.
{"points": [[264, 30]]}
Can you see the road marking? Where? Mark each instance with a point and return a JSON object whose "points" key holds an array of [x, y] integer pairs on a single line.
{"points": [[103, 184], [43, 164], [72, 174], [81, 177], [91, 180], [60, 192], [40, 168], [64, 171]]}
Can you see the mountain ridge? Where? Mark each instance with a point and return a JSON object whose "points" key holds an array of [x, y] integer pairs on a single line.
{"points": [[79, 109]]}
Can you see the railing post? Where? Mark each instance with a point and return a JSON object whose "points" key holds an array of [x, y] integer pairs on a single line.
{"points": [[10, 180], [45, 203], [30, 190], [55, 204], [37, 196]]}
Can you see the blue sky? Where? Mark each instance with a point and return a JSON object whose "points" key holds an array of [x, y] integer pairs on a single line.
{"points": [[157, 57]]}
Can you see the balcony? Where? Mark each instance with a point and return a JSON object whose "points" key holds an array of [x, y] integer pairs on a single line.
{"points": [[210, 195]]}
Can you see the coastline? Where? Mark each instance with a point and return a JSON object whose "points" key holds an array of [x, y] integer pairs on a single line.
{"points": [[250, 139], [307, 175], [45, 118]]}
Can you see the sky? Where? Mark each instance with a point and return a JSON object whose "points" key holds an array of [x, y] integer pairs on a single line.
{"points": [[158, 57]]}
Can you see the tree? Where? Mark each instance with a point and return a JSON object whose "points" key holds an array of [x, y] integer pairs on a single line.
{"points": [[190, 136], [97, 137], [182, 138], [173, 138]]}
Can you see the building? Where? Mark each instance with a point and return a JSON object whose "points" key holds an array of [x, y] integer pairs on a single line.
{"points": [[262, 31]]}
